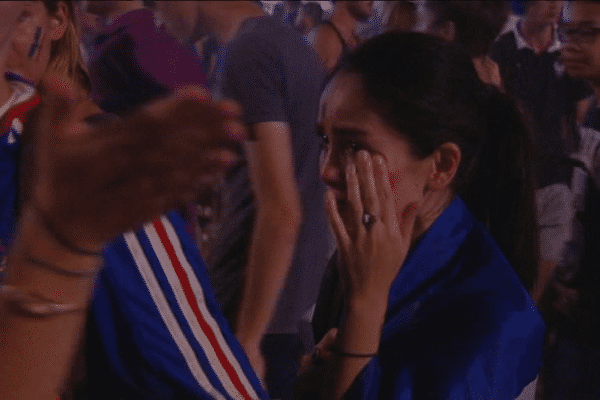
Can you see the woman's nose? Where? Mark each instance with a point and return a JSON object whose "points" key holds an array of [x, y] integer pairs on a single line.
{"points": [[329, 168]]}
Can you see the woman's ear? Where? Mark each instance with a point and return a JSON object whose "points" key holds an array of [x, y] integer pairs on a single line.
{"points": [[58, 22], [446, 159]]}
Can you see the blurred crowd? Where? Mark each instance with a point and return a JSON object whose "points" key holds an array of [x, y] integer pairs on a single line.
{"points": [[300, 199]]}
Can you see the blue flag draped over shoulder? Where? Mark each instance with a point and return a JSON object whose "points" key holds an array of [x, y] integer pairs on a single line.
{"points": [[459, 324], [157, 331]]}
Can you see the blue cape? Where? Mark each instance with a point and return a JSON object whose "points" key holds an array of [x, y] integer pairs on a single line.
{"points": [[459, 324]]}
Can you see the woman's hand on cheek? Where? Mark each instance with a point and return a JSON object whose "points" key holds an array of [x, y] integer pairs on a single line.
{"points": [[372, 242]]}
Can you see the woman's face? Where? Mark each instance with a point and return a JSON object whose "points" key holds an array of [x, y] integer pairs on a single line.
{"points": [[29, 52], [347, 125]]}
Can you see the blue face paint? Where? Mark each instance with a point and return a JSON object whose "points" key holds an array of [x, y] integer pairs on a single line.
{"points": [[35, 46]]}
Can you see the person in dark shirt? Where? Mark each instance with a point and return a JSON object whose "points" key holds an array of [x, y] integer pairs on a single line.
{"points": [[571, 302], [474, 25], [134, 60], [337, 36], [528, 56], [309, 16]]}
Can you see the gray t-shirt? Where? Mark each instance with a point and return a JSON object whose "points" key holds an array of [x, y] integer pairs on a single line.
{"points": [[276, 78]]}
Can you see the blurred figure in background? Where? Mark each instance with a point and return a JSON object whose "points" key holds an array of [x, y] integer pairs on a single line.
{"points": [[532, 73], [473, 25], [337, 36], [89, 26], [287, 11], [400, 16], [273, 239], [134, 59], [310, 14], [571, 301]]}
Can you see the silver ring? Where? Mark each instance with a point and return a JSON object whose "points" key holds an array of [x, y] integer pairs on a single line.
{"points": [[369, 220]]}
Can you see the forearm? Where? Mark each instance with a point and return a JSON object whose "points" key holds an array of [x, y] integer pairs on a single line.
{"points": [[271, 254], [36, 353], [359, 333]]}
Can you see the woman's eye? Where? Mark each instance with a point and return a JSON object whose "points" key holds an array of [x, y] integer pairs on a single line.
{"points": [[23, 16], [352, 145]]}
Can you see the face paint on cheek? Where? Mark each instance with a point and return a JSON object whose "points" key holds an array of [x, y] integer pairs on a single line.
{"points": [[35, 46]]}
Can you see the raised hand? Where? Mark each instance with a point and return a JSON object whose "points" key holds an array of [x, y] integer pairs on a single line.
{"points": [[96, 176]]}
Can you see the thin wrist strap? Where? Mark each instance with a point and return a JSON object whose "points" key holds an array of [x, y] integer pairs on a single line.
{"points": [[69, 273], [342, 353], [35, 306], [61, 239]]}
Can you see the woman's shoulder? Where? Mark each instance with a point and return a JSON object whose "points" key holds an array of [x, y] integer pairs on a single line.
{"points": [[477, 321], [483, 271]]}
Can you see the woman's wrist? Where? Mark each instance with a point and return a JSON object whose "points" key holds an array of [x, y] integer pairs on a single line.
{"points": [[361, 329], [38, 264], [72, 241], [366, 300], [38, 239]]}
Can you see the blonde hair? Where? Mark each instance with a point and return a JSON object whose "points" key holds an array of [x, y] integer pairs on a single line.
{"points": [[65, 53]]}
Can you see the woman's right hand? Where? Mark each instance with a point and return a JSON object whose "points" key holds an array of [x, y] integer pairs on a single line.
{"points": [[371, 254], [97, 177]]}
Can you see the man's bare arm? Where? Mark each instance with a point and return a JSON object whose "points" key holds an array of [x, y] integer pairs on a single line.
{"points": [[278, 219]]}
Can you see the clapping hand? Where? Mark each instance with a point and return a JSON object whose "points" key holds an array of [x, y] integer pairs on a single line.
{"points": [[95, 176]]}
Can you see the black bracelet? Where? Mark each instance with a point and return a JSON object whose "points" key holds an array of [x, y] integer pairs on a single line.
{"points": [[342, 353], [63, 241], [69, 273]]}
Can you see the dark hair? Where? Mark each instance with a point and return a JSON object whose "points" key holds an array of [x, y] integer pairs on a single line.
{"points": [[429, 92], [526, 4], [65, 54], [402, 15], [313, 11], [477, 23]]}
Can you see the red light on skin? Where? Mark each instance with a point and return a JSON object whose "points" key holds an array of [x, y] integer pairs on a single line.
{"points": [[394, 177]]}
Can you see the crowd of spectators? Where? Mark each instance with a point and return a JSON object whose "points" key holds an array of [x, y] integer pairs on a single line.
{"points": [[370, 200]]}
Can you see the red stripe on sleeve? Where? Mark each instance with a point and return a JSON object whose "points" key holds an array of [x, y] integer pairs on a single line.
{"points": [[189, 294]]}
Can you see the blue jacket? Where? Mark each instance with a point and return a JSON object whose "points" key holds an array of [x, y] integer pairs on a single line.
{"points": [[156, 330], [459, 324]]}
